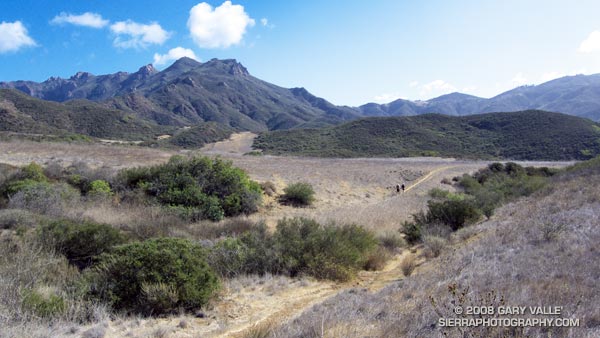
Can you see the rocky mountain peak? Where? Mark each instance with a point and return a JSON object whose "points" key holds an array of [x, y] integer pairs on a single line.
{"points": [[147, 70], [81, 76]]}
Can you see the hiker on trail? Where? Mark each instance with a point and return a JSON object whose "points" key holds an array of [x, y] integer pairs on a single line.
{"points": [[403, 187], [397, 187]]}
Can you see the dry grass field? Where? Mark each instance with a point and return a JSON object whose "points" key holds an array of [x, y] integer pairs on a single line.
{"points": [[360, 191]]}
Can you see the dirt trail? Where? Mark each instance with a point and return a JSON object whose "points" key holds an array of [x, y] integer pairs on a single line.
{"points": [[239, 143], [426, 177]]}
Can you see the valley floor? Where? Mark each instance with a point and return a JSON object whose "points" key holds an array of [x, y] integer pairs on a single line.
{"points": [[358, 191]]}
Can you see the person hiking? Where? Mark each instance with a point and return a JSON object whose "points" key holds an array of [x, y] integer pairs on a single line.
{"points": [[397, 187], [403, 187]]}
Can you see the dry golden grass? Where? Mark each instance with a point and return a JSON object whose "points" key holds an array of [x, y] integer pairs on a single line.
{"points": [[510, 256], [347, 191]]}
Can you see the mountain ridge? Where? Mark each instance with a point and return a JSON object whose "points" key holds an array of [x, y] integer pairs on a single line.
{"points": [[190, 92], [525, 135], [577, 95]]}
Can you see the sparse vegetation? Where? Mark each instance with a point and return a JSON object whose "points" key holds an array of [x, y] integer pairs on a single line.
{"points": [[408, 265], [484, 191], [508, 262]]}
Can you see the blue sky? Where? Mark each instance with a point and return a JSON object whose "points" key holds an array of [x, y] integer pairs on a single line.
{"points": [[349, 52]]}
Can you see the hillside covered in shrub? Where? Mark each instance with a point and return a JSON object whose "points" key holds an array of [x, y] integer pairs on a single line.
{"points": [[526, 135]]}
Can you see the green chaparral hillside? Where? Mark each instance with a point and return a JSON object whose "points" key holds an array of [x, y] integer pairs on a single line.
{"points": [[525, 135], [21, 113]]}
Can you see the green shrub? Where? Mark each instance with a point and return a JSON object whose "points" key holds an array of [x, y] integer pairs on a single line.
{"points": [[33, 171], [454, 213], [45, 306], [124, 274], [206, 188], [261, 256], [300, 193], [438, 193], [412, 232], [99, 188], [160, 297], [13, 187], [80, 242], [326, 252]]}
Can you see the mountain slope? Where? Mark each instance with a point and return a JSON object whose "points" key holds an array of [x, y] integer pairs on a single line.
{"points": [[190, 92], [24, 114], [574, 95], [531, 135]]}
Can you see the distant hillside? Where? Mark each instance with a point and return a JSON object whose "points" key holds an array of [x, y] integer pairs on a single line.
{"points": [[24, 114], [526, 135], [190, 92], [574, 95]]}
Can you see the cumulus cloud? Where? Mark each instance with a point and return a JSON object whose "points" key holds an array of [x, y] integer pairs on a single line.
{"points": [[135, 35], [220, 27], [87, 19], [591, 43], [174, 54], [436, 88], [264, 21], [14, 36]]}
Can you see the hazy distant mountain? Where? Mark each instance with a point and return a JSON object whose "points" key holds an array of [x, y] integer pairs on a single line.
{"points": [[190, 92], [574, 95]]}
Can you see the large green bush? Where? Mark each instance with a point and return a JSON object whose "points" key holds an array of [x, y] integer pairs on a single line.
{"points": [[80, 242], [207, 188], [298, 246], [169, 272], [300, 193], [328, 252], [454, 213]]}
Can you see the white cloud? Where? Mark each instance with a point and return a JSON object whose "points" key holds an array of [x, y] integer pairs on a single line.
{"points": [[264, 21], [219, 28], [413, 84], [14, 36], [387, 97], [591, 43], [436, 88], [87, 19], [135, 35], [518, 80], [174, 54]]}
